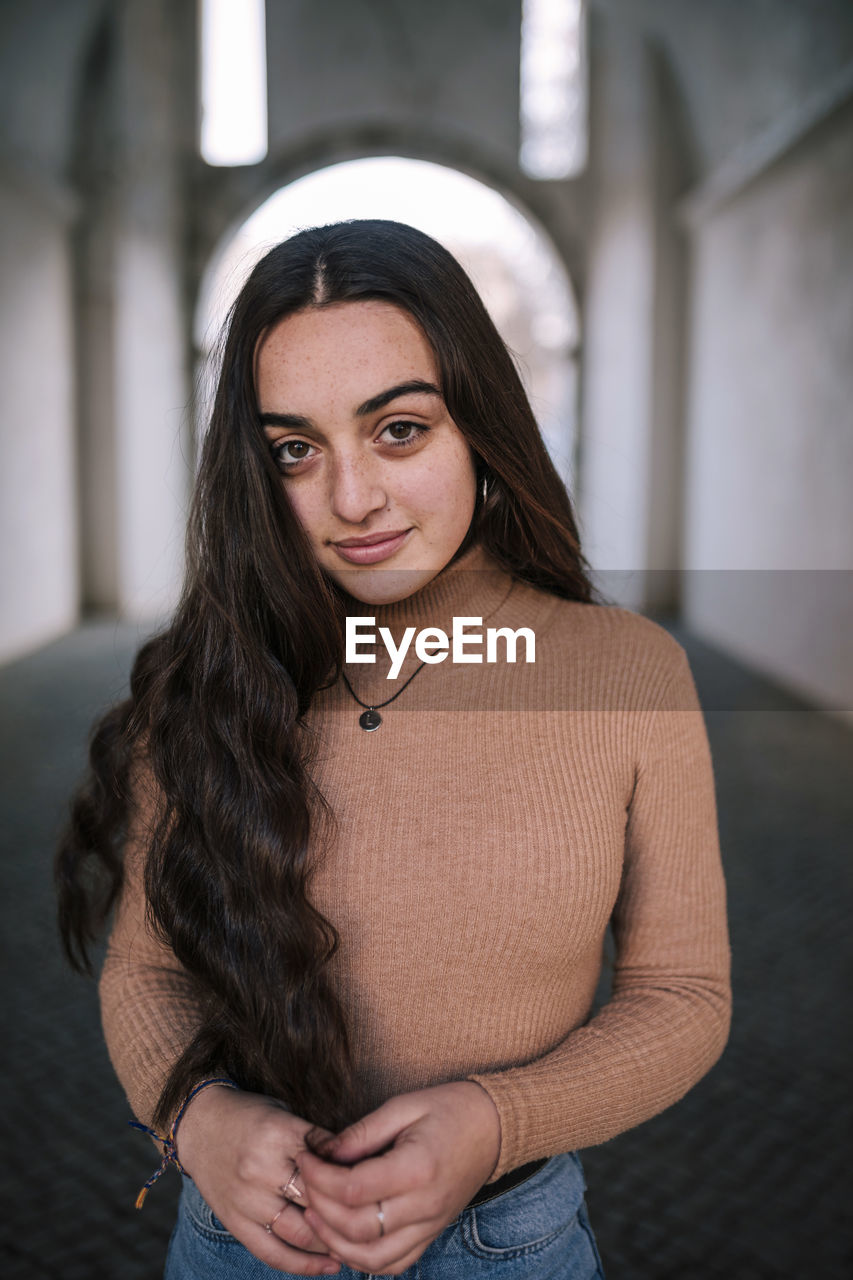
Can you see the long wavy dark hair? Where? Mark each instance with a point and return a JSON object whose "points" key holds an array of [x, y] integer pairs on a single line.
{"points": [[216, 713]]}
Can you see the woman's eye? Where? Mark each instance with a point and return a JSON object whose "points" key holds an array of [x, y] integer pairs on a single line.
{"points": [[403, 433], [288, 452]]}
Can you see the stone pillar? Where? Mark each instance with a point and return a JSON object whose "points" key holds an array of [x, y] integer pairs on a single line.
{"points": [[38, 528], [150, 325], [630, 454], [135, 444]]}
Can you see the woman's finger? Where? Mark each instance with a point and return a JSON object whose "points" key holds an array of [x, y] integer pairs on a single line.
{"points": [[276, 1231], [407, 1167], [294, 1188], [275, 1252], [370, 1222], [367, 1136], [385, 1251], [290, 1225]]}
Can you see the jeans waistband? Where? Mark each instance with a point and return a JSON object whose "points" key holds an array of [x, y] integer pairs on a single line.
{"points": [[505, 1183]]}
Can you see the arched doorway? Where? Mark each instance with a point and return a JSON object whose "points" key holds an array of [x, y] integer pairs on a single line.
{"points": [[510, 258]]}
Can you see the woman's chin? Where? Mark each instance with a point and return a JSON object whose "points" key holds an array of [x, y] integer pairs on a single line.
{"points": [[378, 586]]}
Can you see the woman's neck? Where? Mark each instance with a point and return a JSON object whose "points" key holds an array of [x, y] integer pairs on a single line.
{"points": [[475, 579], [474, 586]]}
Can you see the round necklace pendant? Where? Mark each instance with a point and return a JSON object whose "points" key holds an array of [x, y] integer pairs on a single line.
{"points": [[370, 719]]}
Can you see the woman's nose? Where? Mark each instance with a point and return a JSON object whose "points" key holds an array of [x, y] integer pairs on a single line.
{"points": [[356, 490]]}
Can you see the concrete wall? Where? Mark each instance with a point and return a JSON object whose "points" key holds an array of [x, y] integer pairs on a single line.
{"points": [[151, 405], [770, 424], [93, 386], [38, 526], [768, 536], [41, 47], [739, 66], [631, 457], [760, 206], [452, 66]]}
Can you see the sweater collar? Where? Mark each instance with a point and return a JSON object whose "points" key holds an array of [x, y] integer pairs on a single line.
{"points": [[473, 585]]}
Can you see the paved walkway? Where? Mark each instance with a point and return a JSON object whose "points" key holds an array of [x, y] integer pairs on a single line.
{"points": [[746, 1179]]}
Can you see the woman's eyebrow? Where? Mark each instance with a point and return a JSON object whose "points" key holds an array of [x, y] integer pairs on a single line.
{"points": [[416, 387], [296, 420], [286, 420]]}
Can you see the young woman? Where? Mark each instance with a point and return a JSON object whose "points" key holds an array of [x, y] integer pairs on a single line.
{"points": [[373, 800]]}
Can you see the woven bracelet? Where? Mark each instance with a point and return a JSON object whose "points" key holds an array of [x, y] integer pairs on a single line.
{"points": [[170, 1151]]}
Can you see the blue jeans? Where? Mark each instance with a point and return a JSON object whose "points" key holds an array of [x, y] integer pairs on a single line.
{"points": [[538, 1230]]}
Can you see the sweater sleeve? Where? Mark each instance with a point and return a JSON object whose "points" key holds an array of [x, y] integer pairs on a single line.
{"points": [[148, 1007], [667, 1020]]}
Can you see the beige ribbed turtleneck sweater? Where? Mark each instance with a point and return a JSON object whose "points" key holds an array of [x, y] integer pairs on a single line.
{"points": [[486, 833]]}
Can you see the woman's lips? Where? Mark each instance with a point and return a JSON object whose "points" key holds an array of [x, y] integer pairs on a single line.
{"points": [[372, 552]]}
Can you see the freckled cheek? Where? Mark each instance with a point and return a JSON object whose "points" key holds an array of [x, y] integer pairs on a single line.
{"points": [[311, 510], [420, 498], [442, 485]]}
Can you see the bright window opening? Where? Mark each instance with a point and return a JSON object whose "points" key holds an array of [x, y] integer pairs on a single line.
{"points": [[553, 88], [233, 81]]}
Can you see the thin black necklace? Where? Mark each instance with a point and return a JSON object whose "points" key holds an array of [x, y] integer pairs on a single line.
{"points": [[371, 719]]}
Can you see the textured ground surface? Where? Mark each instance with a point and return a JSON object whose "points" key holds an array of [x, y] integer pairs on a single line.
{"points": [[746, 1179]]}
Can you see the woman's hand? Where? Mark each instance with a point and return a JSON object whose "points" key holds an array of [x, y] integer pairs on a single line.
{"points": [[417, 1161], [241, 1150]]}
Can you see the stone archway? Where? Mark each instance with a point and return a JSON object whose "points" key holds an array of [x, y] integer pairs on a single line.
{"points": [[506, 250]]}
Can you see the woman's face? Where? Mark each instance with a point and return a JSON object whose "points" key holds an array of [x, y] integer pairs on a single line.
{"points": [[379, 475]]}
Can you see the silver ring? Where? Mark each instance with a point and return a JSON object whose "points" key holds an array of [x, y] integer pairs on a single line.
{"points": [[380, 1214]]}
